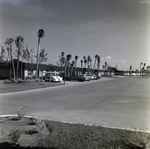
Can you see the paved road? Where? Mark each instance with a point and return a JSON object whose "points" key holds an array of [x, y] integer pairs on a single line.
{"points": [[121, 102]]}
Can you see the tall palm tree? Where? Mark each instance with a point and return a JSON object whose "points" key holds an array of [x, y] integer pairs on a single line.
{"points": [[88, 63], [85, 61], [62, 60], [72, 66], [91, 65], [130, 69], [69, 56], [19, 44], [105, 68], [9, 42], [41, 34], [98, 64], [144, 65], [140, 67], [96, 56], [143, 69], [76, 59], [81, 64]]}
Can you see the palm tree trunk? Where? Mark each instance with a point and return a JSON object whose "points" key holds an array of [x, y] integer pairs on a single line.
{"points": [[13, 69], [21, 71], [37, 62], [94, 66], [18, 63], [12, 63], [10, 70]]}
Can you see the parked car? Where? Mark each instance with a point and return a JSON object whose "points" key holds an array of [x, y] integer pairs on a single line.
{"points": [[76, 77], [91, 77], [52, 76], [86, 77]]}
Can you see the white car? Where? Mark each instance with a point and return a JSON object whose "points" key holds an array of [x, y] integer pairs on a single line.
{"points": [[60, 78], [52, 76]]}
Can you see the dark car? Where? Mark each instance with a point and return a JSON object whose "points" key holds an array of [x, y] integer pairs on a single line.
{"points": [[76, 77]]}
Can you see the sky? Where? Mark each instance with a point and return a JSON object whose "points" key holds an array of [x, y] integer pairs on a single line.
{"points": [[116, 30]]}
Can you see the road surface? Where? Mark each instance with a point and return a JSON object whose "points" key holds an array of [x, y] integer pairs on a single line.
{"points": [[118, 102]]}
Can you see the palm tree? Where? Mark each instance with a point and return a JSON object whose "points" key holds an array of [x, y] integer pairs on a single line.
{"points": [[130, 69], [69, 56], [96, 56], [81, 64], [9, 42], [143, 69], [91, 65], [19, 43], [140, 67], [144, 65], [88, 63], [105, 67], [41, 34], [85, 61], [98, 64], [76, 58], [62, 60], [72, 66]]}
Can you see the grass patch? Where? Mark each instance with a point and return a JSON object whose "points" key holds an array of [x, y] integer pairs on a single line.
{"points": [[58, 135], [8, 86]]}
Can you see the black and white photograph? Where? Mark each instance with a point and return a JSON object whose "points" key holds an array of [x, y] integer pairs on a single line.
{"points": [[75, 74]]}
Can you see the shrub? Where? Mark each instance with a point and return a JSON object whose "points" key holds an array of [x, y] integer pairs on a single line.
{"points": [[22, 112], [7, 81]]}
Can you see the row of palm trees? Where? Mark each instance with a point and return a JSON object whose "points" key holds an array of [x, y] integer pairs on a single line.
{"points": [[143, 68], [70, 67]]}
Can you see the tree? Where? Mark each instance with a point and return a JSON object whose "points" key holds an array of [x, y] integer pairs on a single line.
{"points": [[85, 61], [43, 57], [130, 69], [2, 54], [61, 60], [19, 44], [9, 42], [98, 64], [68, 58], [144, 65], [105, 67], [76, 59], [72, 66], [140, 67], [143, 68], [88, 63], [63, 65], [41, 34], [27, 55], [81, 64], [96, 56]]}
